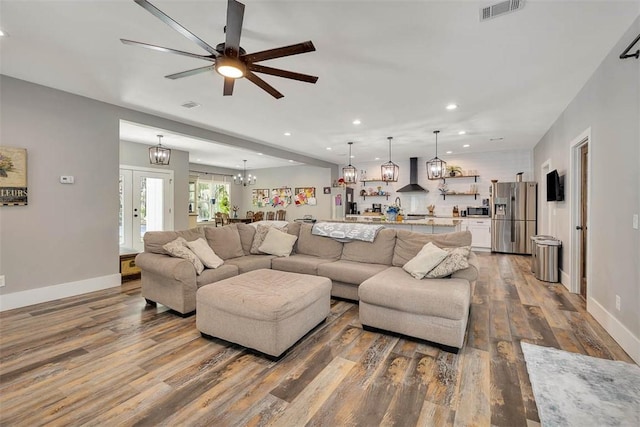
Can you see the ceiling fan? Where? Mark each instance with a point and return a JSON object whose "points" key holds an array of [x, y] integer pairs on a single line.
{"points": [[229, 59]]}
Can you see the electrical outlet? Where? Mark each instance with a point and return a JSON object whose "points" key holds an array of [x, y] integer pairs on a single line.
{"points": [[618, 302], [2, 281]]}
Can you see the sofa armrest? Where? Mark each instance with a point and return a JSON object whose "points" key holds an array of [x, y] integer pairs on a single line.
{"points": [[167, 266]]}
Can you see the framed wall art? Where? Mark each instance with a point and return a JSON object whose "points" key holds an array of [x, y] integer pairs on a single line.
{"points": [[305, 196], [13, 176], [260, 197], [281, 197]]}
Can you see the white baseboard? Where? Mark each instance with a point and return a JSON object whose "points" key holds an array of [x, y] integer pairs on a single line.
{"points": [[64, 290], [623, 336], [565, 279]]}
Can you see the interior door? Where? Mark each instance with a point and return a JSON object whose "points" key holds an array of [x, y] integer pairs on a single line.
{"points": [[584, 157], [146, 204]]}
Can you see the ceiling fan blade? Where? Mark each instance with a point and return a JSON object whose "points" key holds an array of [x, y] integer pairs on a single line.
{"points": [[235, 15], [264, 85], [179, 28], [279, 52], [190, 72], [228, 86], [283, 73], [168, 50]]}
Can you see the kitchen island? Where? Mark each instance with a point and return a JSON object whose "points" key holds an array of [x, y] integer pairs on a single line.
{"points": [[426, 226]]}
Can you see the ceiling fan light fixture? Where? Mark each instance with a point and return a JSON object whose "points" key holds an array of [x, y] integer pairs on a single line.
{"points": [[230, 67]]}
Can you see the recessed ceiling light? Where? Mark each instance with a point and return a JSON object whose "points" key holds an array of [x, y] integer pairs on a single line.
{"points": [[466, 145], [287, 134], [198, 160], [462, 132], [377, 158], [259, 154], [452, 107], [449, 152], [329, 148], [291, 161], [2, 33], [352, 156], [357, 122]]}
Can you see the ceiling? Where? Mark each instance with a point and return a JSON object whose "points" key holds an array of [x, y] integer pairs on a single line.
{"points": [[394, 65]]}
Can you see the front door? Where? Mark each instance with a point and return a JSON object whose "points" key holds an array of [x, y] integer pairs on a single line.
{"points": [[584, 156], [145, 205]]}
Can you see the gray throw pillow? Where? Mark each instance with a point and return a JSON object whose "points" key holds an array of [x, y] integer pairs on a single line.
{"points": [[456, 259]]}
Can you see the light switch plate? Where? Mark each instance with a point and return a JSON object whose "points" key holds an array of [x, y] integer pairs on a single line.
{"points": [[635, 221], [67, 179], [2, 283]]}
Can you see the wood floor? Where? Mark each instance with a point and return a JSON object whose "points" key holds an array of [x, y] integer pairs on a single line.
{"points": [[106, 359]]}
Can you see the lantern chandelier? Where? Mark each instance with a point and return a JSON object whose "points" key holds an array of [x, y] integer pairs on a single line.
{"points": [[244, 179], [436, 167], [158, 155], [350, 173], [389, 171]]}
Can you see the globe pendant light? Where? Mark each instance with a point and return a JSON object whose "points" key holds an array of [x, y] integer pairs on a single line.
{"points": [[158, 155], [389, 171], [244, 179], [436, 167], [350, 173]]}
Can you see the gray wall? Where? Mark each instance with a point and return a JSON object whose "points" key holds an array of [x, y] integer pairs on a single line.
{"points": [[609, 104], [68, 233]]}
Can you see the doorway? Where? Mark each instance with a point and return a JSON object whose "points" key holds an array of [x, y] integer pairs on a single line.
{"points": [[580, 167], [146, 204]]}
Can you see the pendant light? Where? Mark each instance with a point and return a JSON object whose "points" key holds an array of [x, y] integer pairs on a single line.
{"points": [[389, 171], [435, 167], [158, 155], [244, 179], [350, 173]]}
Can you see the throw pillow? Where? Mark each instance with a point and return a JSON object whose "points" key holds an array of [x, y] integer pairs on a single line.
{"points": [[457, 259], [429, 256], [278, 243], [178, 248], [204, 252], [261, 233]]}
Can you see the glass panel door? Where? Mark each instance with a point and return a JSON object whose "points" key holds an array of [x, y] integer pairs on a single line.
{"points": [[146, 204]]}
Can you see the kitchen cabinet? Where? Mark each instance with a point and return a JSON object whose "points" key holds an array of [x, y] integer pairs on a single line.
{"points": [[480, 232]]}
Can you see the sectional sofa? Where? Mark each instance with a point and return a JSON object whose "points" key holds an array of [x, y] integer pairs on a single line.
{"points": [[369, 272]]}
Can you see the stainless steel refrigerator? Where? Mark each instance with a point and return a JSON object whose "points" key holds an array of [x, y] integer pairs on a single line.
{"points": [[513, 216]]}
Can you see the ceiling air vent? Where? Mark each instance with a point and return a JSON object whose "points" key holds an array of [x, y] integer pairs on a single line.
{"points": [[500, 9], [190, 104]]}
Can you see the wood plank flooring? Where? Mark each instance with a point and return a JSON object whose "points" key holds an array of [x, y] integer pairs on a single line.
{"points": [[106, 359]]}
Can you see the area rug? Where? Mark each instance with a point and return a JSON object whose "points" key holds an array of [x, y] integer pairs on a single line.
{"points": [[577, 390]]}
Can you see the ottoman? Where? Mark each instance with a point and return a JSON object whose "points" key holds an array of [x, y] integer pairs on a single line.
{"points": [[265, 310]]}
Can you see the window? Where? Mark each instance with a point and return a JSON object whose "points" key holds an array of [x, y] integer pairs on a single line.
{"points": [[212, 196]]}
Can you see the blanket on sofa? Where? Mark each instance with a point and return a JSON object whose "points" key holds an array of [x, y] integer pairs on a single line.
{"points": [[346, 232]]}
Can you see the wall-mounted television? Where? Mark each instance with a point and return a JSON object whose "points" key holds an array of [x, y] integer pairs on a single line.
{"points": [[555, 189]]}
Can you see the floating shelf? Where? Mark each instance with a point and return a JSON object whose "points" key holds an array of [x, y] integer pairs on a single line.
{"points": [[363, 181], [445, 178], [364, 196], [444, 195]]}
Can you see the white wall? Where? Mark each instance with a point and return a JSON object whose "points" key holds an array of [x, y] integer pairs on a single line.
{"points": [[500, 165], [608, 105], [293, 176]]}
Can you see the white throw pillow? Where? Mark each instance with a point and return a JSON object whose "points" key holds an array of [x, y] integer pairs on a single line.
{"points": [[178, 248], [429, 256], [203, 251], [278, 243]]}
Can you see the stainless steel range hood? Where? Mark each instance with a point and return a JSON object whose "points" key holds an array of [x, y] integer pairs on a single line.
{"points": [[413, 178]]}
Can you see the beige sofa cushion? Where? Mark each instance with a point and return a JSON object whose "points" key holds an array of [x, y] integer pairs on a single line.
{"points": [[251, 262], [154, 240], [278, 243], [210, 275], [319, 246], [470, 273], [201, 248], [225, 241], [299, 263], [428, 258], [247, 233], [178, 248], [396, 289], [408, 243], [456, 260], [380, 251], [349, 271]]}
